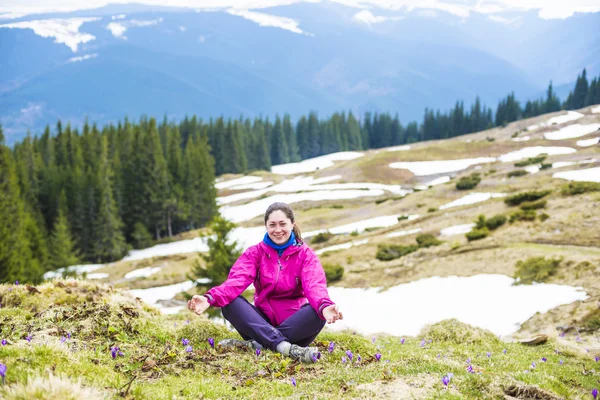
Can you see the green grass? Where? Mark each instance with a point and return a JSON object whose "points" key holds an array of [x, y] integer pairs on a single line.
{"points": [[155, 365]]}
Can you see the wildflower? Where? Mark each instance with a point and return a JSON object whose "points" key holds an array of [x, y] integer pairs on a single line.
{"points": [[544, 359], [402, 341], [174, 324], [578, 339], [2, 372], [358, 358], [211, 341], [187, 321], [68, 335], [343, 359], [28, 338], [314, 357], [423, 343], [189, 349], [63, 339], [470, 369], [438, 355], [533, 364], [257, 352], [331, 347], [561, 362], [378, 356], [3, 342], [468, 361], [504, 351], [17, 283], [446, 380], [349, 354], [294, 381], [556, 351], [594, 392], [562, 334], [373, 340], [185, 342], [113, 351], [597, 358], [489, 354]]}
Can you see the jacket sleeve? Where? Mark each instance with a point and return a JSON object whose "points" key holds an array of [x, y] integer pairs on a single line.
{"points": [[242, 273], [314, 283]]}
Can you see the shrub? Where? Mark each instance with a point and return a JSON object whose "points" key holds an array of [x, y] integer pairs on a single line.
{"points": [[354, 233], [372, 228], [468, 182], [543, 217], [523, 215], [378, 202], [321, 237], [531, 160], [432, 209], [575, 188], [495, 222], [516, 173], [477, 234], [533, 205], [391, 252], [333, 272], [536, 269], [428, 240], [337, 206], [546, 166], [402, 217], [519, 198]]}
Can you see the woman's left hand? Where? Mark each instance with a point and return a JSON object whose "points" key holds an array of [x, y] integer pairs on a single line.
{"points": [[332, 314]]}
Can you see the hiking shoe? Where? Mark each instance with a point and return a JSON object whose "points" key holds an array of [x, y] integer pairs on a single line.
{"points": [[250, 344], [304, 354]]}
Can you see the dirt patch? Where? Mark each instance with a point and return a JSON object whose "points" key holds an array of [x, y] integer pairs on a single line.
{"points": [[402, 389], [529, 392]]}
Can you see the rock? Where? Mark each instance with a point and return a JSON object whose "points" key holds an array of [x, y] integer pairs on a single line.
{"points": [[535, 340]]}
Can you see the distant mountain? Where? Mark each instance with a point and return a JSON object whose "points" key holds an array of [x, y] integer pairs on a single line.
{"points": [[175, 62]]}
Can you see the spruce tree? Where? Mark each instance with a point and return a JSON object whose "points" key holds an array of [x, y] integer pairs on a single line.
{"points": [[62, 247], [292, 142]]}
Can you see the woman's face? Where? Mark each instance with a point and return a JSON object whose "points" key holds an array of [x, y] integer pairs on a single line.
{"points": [[279, 227]]}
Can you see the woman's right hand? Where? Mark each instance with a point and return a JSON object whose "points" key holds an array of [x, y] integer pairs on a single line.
{"points": [[198, 304]]}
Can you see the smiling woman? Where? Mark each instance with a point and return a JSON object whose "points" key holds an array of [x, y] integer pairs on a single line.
{"points": [[291, 299]]}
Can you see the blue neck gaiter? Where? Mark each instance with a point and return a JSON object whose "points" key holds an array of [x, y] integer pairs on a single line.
{"points": [[280, 247]]}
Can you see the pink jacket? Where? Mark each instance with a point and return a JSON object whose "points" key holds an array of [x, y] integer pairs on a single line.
{"points": [[283, 284]]}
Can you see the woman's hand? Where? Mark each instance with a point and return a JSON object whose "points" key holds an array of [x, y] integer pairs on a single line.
{"points": [[332, 314], [198, 304]]}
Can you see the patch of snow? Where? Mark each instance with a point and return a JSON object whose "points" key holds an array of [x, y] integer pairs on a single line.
{"points": [[404, 147], [588, 142], [376, 222], [568, 117], [264, 19], [521, 139], [238, 181], [64, 31], [472, 300], [533, 169], [581, 175], [342, 246], [253, 186], [572, 131], [78, 269], [435, 182], [457, 230], [151, 296], [180, 247], [142, 272], [314, 164], [472, 198], [403, 233], [423, 168], [561, 164], [596, 110], [119, 28], [535, 151], [97, 275], [532, 128]]}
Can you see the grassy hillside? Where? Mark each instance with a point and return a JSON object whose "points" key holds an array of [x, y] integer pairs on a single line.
{"points": [[80, 340]]}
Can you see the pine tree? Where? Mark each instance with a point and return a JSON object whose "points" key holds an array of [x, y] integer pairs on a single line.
{"points": [[62, 247], [354, 137], [109, 243], [291, 139], [222, 254], [279, 146]]}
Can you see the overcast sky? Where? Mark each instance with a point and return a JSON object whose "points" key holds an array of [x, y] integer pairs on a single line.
{"points": [[547, 9]]}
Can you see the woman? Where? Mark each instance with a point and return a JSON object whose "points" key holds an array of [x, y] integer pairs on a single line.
{"points": [[291, 303]]}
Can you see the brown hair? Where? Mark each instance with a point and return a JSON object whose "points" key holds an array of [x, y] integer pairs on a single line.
{"points": [[287, 210]]}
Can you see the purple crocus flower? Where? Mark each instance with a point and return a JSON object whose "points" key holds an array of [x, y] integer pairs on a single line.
{"points": [[562, 334], [556, 351], [438, 355], [314, 358], [331, 347], [597, 358], [358, 358], [504, 351], [489, 354], [257, 352], [185, 342], [446, 380], [211, 341], [533, 365], [189, 349], [378, 356], [16, 282], [349, 354], [113, 351], [343, 359], [3, 372], [3, 342], [402, 341], [28, 338], [373, 340], [470, 369], [561, 362], [544, 359], [63, 339], [423, 343], [187, 321], [294, 381], [595, 392]]}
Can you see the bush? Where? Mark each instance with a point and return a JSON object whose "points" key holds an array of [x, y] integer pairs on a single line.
{"points": [[337, 206], [333, 272], [354, 233], [575, 188], [516, 173], [536, 269], [546, 166], [378, 202], [519, 198], [492, 224], [523, 215], [477, 234], [141, 237], [321, 237], [432, 209], [427, 240], [391, 252], [402, 217], [531, 160], [543, 217], [468, 182], [533, 205]]}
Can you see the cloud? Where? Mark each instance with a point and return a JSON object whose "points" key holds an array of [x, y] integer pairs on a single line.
{"points": [[366, 17], [62, 30], [182, 28], [82, 58], [120, 16], [118, 29], [503, 20], [269, 20]]}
